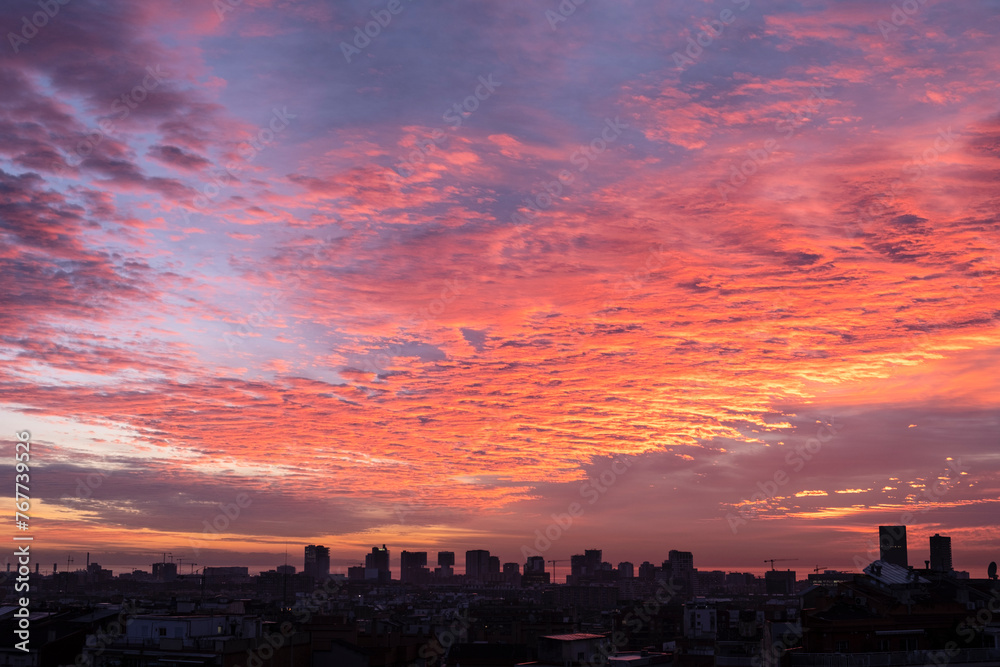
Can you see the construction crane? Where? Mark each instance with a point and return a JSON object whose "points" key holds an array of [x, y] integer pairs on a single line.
{"points": [[772, 561], [180, 565], [818, 568], [553, 562], [69, 559]]}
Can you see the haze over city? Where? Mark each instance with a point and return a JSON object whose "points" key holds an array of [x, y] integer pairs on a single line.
{"points": [[717, 277]]}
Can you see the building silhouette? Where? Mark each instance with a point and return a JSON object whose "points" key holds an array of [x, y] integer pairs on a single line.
{"points": [[534, 571], [679, 570], [317, 561], [477, 564], [377, 565], [681, 562], [446, 564], [164, 571], [778, 582], [413, 566], [940, 553], [892, 545]]}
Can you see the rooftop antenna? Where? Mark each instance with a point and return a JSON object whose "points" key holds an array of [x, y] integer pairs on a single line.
{"points": [[553, 562]]}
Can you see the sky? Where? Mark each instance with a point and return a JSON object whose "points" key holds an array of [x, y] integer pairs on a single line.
{"points": [[717, 276]]}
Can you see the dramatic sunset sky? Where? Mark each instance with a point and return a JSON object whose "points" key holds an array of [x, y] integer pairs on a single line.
{"points": [[776, 253]]}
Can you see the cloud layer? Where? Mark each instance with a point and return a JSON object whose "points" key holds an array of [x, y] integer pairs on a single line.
{"points": [[422, 297]]}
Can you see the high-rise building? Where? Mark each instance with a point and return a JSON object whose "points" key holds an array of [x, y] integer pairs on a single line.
{"points": [[317, 561], [778, 582], [577, 567], [408, 559], [446, 564], [940, 553], [647, 571], [477, 564], [892, 545], [164, 571], [740, 582], [626, 570], [534, 571], [378, 561], [681, 562], [585, 566], [413, 566], [679, 569]]}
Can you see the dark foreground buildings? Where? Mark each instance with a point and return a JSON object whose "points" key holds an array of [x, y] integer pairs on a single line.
{"points": [[509, 614]]}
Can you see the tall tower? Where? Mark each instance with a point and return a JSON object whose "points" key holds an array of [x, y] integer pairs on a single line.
{"points": [[378, 560], [412, 566], [892, 545], [477, 564], [940, 553], [317, 561], [681, 562], [681, 566], [446, 563]]}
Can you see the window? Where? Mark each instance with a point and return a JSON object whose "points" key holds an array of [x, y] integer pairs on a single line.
{"points": [[162, 632], [843, 646], [884, 645]]}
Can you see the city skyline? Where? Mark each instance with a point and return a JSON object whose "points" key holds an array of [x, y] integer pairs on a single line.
{"points": [[938, 551], [713, 276]]}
